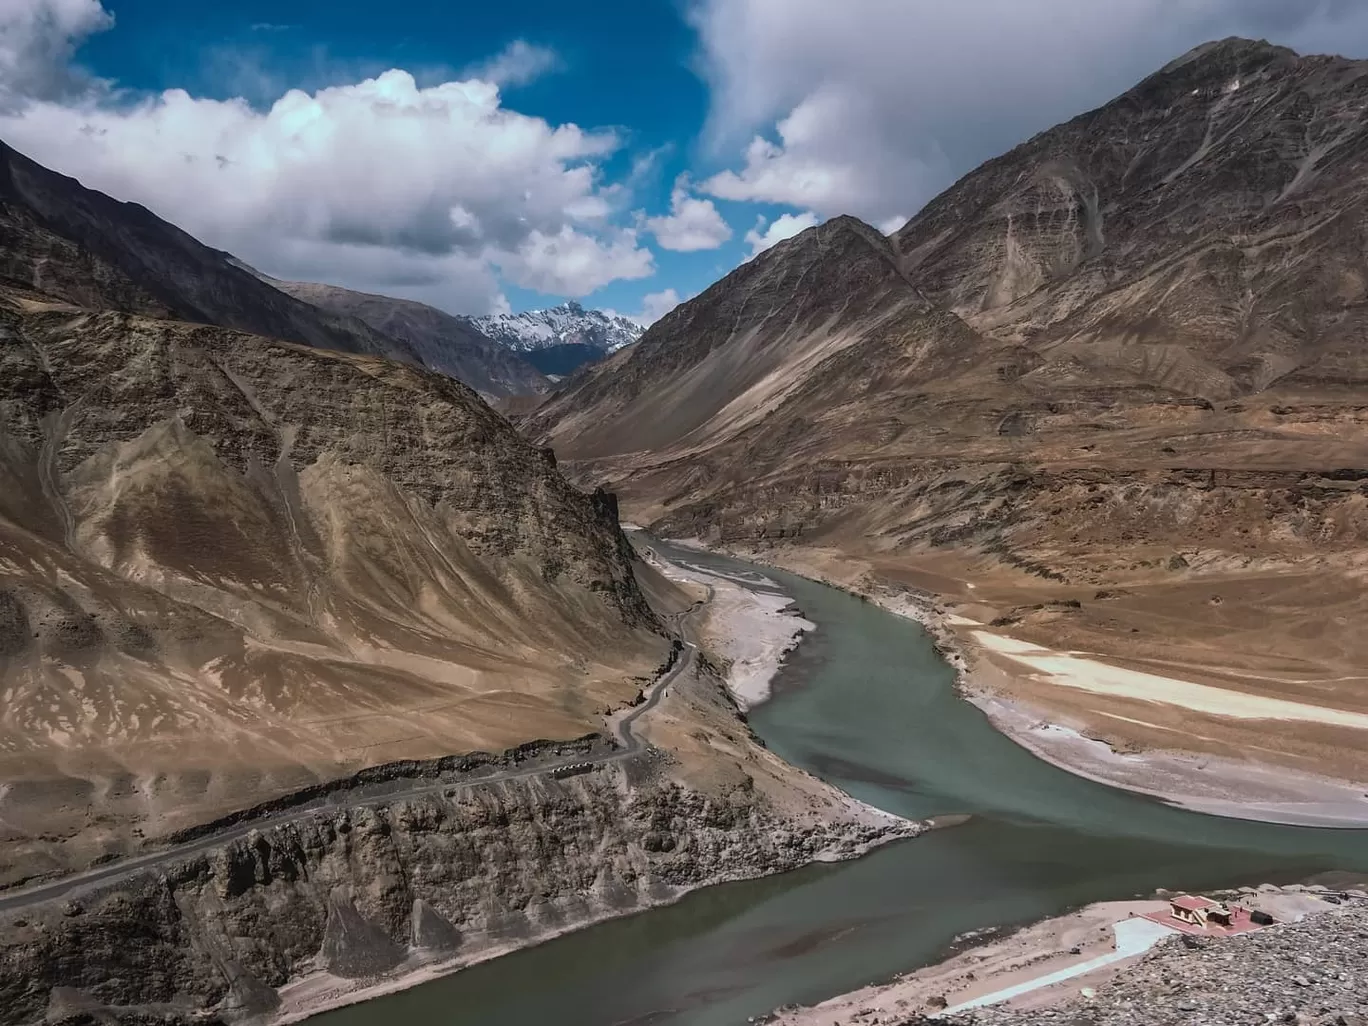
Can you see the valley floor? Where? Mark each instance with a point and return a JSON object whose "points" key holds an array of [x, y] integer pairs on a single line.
{"points": [[1232, 693]]}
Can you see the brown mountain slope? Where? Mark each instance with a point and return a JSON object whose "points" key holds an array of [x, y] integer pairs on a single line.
{"points": [[1109, 388], [441, 342], [230, 566], [723, 362], [1202, 233], [76, 244]]}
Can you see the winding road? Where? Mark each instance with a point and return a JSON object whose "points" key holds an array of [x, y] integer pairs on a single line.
{"points": [[629, 745]]}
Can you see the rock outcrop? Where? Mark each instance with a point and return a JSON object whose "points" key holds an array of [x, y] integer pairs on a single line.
{"points": [[356, 892]]}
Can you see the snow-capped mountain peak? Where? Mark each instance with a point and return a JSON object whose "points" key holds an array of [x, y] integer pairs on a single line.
{"points": [[567, 324]]}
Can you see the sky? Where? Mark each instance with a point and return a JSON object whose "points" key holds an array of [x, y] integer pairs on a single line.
{"points": [[490, 157]]}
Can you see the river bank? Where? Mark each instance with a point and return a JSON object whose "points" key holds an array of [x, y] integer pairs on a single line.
{"points": [[746, 633], [995, 670], [993, 962], [867, 704], [751, 630]]}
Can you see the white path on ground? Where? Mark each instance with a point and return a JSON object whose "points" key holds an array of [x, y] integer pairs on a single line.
{"points": [[1133, 937], [1105, 679]]}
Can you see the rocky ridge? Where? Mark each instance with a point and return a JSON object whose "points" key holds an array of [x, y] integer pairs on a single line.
{"points": [[440, 341], [72, 243]]}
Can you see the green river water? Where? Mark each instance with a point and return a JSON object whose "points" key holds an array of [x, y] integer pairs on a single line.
{"points": [[866, 703]]}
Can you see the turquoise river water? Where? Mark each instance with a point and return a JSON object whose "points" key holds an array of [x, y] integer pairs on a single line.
{"points": [[866, 703]]}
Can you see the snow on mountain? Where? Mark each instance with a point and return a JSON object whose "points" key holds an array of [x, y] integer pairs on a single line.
{"points": [[558, 340]]}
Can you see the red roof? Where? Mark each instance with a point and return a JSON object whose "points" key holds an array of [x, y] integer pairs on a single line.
{"points": [[1192, 904]]}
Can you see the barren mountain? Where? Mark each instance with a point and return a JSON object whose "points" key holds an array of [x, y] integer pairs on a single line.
{"points": [[73, 243], [439, 340], [231, 565], [1108, 389]]}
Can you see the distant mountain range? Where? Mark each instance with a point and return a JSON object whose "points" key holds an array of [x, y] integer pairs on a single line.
{"points": [[95, 251], [562, 339], [441, 341]]}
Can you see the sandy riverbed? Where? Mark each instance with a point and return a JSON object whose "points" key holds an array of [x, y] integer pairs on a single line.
{"points": [[752, 630]]}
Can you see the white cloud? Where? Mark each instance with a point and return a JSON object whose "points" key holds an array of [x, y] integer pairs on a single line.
{"points": [[377, 184], [655, 305], [571, 263], [519, 63], [693, 224], [785, 226], [871, 107], [889, 225], [37, 41]]}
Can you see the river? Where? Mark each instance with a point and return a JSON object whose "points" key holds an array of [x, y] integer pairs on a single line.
{"points": [[866, 703]]}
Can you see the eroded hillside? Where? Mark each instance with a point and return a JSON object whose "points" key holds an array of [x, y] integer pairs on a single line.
{"points": [[230, 566]]}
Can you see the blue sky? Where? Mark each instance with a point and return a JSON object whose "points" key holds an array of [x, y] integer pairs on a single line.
{"points": [[628, 67], [510, 155]]}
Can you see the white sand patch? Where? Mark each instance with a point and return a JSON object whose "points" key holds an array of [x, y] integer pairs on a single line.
{"points": [[752, 630], [1211, 784], [1104, 679]]}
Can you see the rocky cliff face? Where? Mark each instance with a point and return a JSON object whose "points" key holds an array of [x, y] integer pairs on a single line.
{"points": [[384, 889], [441, 342]]}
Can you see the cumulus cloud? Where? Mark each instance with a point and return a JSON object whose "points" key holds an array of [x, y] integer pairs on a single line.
{"points": [[871, 107], [571, 263], [693, 224], [379, 184], [655, 305], [517, 64], [37, 41], [785, 226]]}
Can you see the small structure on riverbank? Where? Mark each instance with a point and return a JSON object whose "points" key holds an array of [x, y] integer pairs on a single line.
{"points": [[1205, 917], [1192, 909]]}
